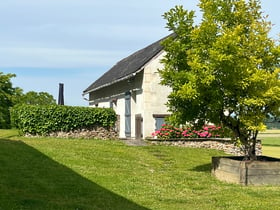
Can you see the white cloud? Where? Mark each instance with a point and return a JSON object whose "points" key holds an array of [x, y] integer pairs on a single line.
{"points": [[56, 58], [92, 34]]}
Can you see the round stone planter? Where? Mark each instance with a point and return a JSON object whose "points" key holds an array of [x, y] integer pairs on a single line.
{"points": [[234, 169]]}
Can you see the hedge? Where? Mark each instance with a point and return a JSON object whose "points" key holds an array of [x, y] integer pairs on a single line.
{"points": [[43, 120]]}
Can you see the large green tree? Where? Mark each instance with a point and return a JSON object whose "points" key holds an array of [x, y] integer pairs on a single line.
{"points": [[6, 98], [11, 96], [223, 70]]}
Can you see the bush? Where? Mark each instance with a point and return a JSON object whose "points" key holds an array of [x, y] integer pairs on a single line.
{"points": [[42, 120], [207, 131], [168, 132]]}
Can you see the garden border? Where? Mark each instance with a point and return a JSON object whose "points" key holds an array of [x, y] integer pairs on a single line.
{"points": [[222, 144]]}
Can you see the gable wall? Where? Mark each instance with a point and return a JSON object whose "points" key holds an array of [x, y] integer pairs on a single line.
{"points": [[148, 97], [155, 95], [116, 93]]}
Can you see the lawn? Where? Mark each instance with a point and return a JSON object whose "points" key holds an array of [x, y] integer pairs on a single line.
{"points": [[271, 142], [271, 146], [44, 173]]}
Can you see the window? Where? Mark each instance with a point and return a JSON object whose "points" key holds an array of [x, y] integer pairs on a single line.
{"points": [[159, 120]]}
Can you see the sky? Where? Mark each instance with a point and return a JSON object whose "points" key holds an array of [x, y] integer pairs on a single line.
{"points": [[74, 42]]}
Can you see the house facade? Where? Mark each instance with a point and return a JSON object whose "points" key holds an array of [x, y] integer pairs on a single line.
{"points": [[132, 89]]}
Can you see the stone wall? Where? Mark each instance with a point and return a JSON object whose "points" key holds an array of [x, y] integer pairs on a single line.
{"points": [[96, 133], [225, 145]]}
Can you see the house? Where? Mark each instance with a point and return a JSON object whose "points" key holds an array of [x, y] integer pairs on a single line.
{"points": [[132, 89]]}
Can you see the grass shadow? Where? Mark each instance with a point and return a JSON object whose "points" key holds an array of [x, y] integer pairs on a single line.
{"points": [[31, 180], [203, 168]]}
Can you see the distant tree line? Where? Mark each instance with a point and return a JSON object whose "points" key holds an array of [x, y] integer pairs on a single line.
{"points": [[11, 96]]}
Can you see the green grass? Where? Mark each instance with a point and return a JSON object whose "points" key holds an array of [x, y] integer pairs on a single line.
{"points": [[271, 146], [271, 131], [8, 133], [271, 141], [43, 173]]}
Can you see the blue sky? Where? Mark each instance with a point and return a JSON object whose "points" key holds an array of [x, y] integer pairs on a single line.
{"points": [[47, 42]]}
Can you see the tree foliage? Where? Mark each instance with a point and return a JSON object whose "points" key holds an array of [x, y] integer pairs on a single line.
{"points": [[36, 98], [6, 98], [11, 96], [223, 70]]}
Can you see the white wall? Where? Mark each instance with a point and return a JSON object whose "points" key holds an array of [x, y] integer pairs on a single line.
{"points": [[148, 97], [155, 95]]}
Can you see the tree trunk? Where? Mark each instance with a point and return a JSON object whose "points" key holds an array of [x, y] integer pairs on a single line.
{"points": [[253, 141], [249, 146], [248, 139]]}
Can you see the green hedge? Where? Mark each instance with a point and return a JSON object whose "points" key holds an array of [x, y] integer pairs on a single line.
{"points": [[43, 120]]}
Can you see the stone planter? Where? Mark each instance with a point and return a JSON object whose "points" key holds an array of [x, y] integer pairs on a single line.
{"points": [[233, 169]]}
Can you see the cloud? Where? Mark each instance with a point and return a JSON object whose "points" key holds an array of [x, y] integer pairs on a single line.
{"points": [[79, 34], [71, 33], [85, 45], [56, 58]]}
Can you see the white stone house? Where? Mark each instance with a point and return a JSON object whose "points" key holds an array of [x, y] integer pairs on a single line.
{"points": [[132, 89]]}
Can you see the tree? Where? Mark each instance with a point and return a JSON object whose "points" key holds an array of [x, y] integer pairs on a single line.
{"points": [[223, 70], [36, 98], [10, 96], [6, 95]]}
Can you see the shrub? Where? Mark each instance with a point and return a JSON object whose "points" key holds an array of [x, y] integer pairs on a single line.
{"points": [[43, 120], [168, 132]]}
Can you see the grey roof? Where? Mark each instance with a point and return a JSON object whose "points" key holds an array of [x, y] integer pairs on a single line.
{"points": [[127, 66]]}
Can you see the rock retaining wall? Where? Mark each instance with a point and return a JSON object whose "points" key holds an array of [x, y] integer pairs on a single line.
{"points": [[225, 145], [96, 133]]}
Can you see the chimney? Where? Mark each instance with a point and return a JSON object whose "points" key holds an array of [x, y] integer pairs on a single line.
{"points": [[60, 94]]}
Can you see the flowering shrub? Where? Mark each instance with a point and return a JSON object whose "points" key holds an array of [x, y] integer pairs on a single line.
{"points": [[168, 132], [171, 132]]}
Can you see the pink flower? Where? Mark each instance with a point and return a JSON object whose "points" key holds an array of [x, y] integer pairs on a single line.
{"points": [[203, 134]]}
